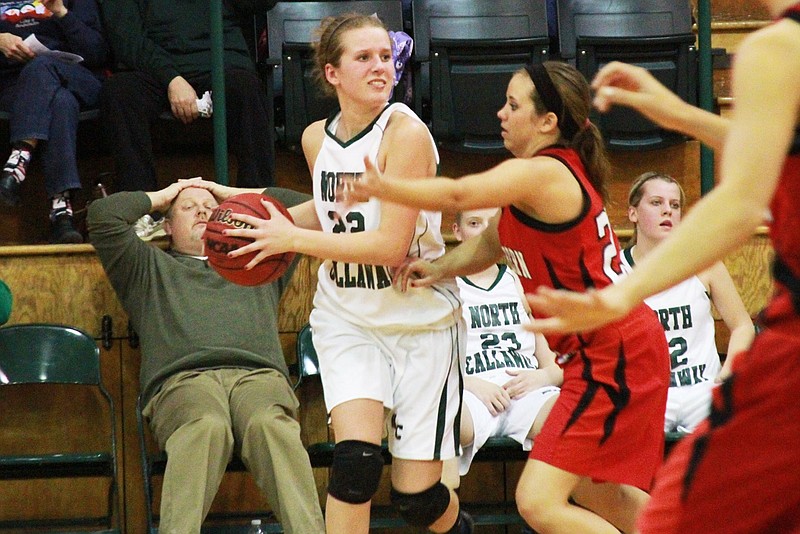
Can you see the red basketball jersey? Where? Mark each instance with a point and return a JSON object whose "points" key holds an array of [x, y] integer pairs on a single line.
{"points": [[727, 477], [577, 255], [608, 422], [785, 226]]}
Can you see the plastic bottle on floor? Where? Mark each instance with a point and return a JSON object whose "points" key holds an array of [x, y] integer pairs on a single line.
{"points": [[255, 527]]}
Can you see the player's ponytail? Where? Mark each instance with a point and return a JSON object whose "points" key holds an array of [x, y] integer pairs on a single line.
{"points": [[561, 89]]}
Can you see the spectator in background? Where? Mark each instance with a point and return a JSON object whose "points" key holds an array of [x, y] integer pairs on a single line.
{"points": [[6, 300], [44, 96], [166, 44], [213, 377]]}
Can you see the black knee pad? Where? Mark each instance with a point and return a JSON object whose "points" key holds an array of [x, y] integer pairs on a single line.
{"points": [[356, 471], [423, 508]]}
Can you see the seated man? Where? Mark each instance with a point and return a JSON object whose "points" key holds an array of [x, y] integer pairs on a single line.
{"points": [[511, 378], [167, 45], [213, 377]]}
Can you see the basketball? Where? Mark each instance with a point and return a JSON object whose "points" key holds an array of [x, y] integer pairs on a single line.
{"points": [[218, 245]]}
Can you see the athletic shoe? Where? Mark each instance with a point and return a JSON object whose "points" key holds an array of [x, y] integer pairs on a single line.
{"points": [[17, 164], [9, 190], [465, 523], [148, 228], [62, 230]]}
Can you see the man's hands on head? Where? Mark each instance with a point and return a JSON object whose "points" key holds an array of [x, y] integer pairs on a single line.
{"points": [[161, 200], [220, 192]]}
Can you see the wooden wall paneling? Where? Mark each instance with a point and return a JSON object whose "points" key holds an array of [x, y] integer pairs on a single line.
{"points": [[737, 10], [135, 512], [296, 303], [750, 269], [60, 284]]}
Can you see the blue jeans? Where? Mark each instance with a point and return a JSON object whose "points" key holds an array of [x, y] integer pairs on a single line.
{"points": [[44, 101]]}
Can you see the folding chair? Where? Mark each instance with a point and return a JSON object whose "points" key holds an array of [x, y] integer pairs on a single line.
{"points": [[290, 27], [465, 52], [35, 361], [654, 34]]}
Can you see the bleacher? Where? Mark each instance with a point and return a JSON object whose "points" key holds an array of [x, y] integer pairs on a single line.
{"points": [[65, 284]]}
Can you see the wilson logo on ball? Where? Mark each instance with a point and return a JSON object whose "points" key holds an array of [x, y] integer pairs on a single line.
{"points": [[219, 245]]}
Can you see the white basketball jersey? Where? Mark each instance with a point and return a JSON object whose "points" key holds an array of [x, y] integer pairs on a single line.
{"points": [[684, 311], [496, 340], [362, 293]]}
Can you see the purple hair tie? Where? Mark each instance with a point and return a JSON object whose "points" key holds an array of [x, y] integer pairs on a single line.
{"points": [[402, 45]]}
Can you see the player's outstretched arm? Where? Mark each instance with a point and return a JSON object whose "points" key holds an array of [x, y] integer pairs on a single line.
{"points": [[514, 180], [568, 311], [621, 84]]}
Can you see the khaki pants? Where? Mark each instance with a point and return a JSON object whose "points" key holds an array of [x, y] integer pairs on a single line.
{"points": [[201, 417]]}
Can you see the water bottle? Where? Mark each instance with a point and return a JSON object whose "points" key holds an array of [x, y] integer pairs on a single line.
{"points": [[255, 527], [100, 189]]}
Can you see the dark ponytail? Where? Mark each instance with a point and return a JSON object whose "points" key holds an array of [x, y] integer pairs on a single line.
{"points": [[573, 90]]}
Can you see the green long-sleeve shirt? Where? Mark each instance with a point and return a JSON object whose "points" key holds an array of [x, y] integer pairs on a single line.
{"points": [[186, 315], [169, 38]]}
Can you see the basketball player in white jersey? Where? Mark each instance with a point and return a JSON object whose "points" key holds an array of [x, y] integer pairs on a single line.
{"points": [[379, 347], [655, 204], [510, 376]]}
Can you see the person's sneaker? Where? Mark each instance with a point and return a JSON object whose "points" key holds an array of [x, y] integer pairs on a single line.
{"points": [[62, 230], [465, 523], [148, 228], [9, 190]]}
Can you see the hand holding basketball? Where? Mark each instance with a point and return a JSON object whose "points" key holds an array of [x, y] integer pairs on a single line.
{"points": [[237, 241]]}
